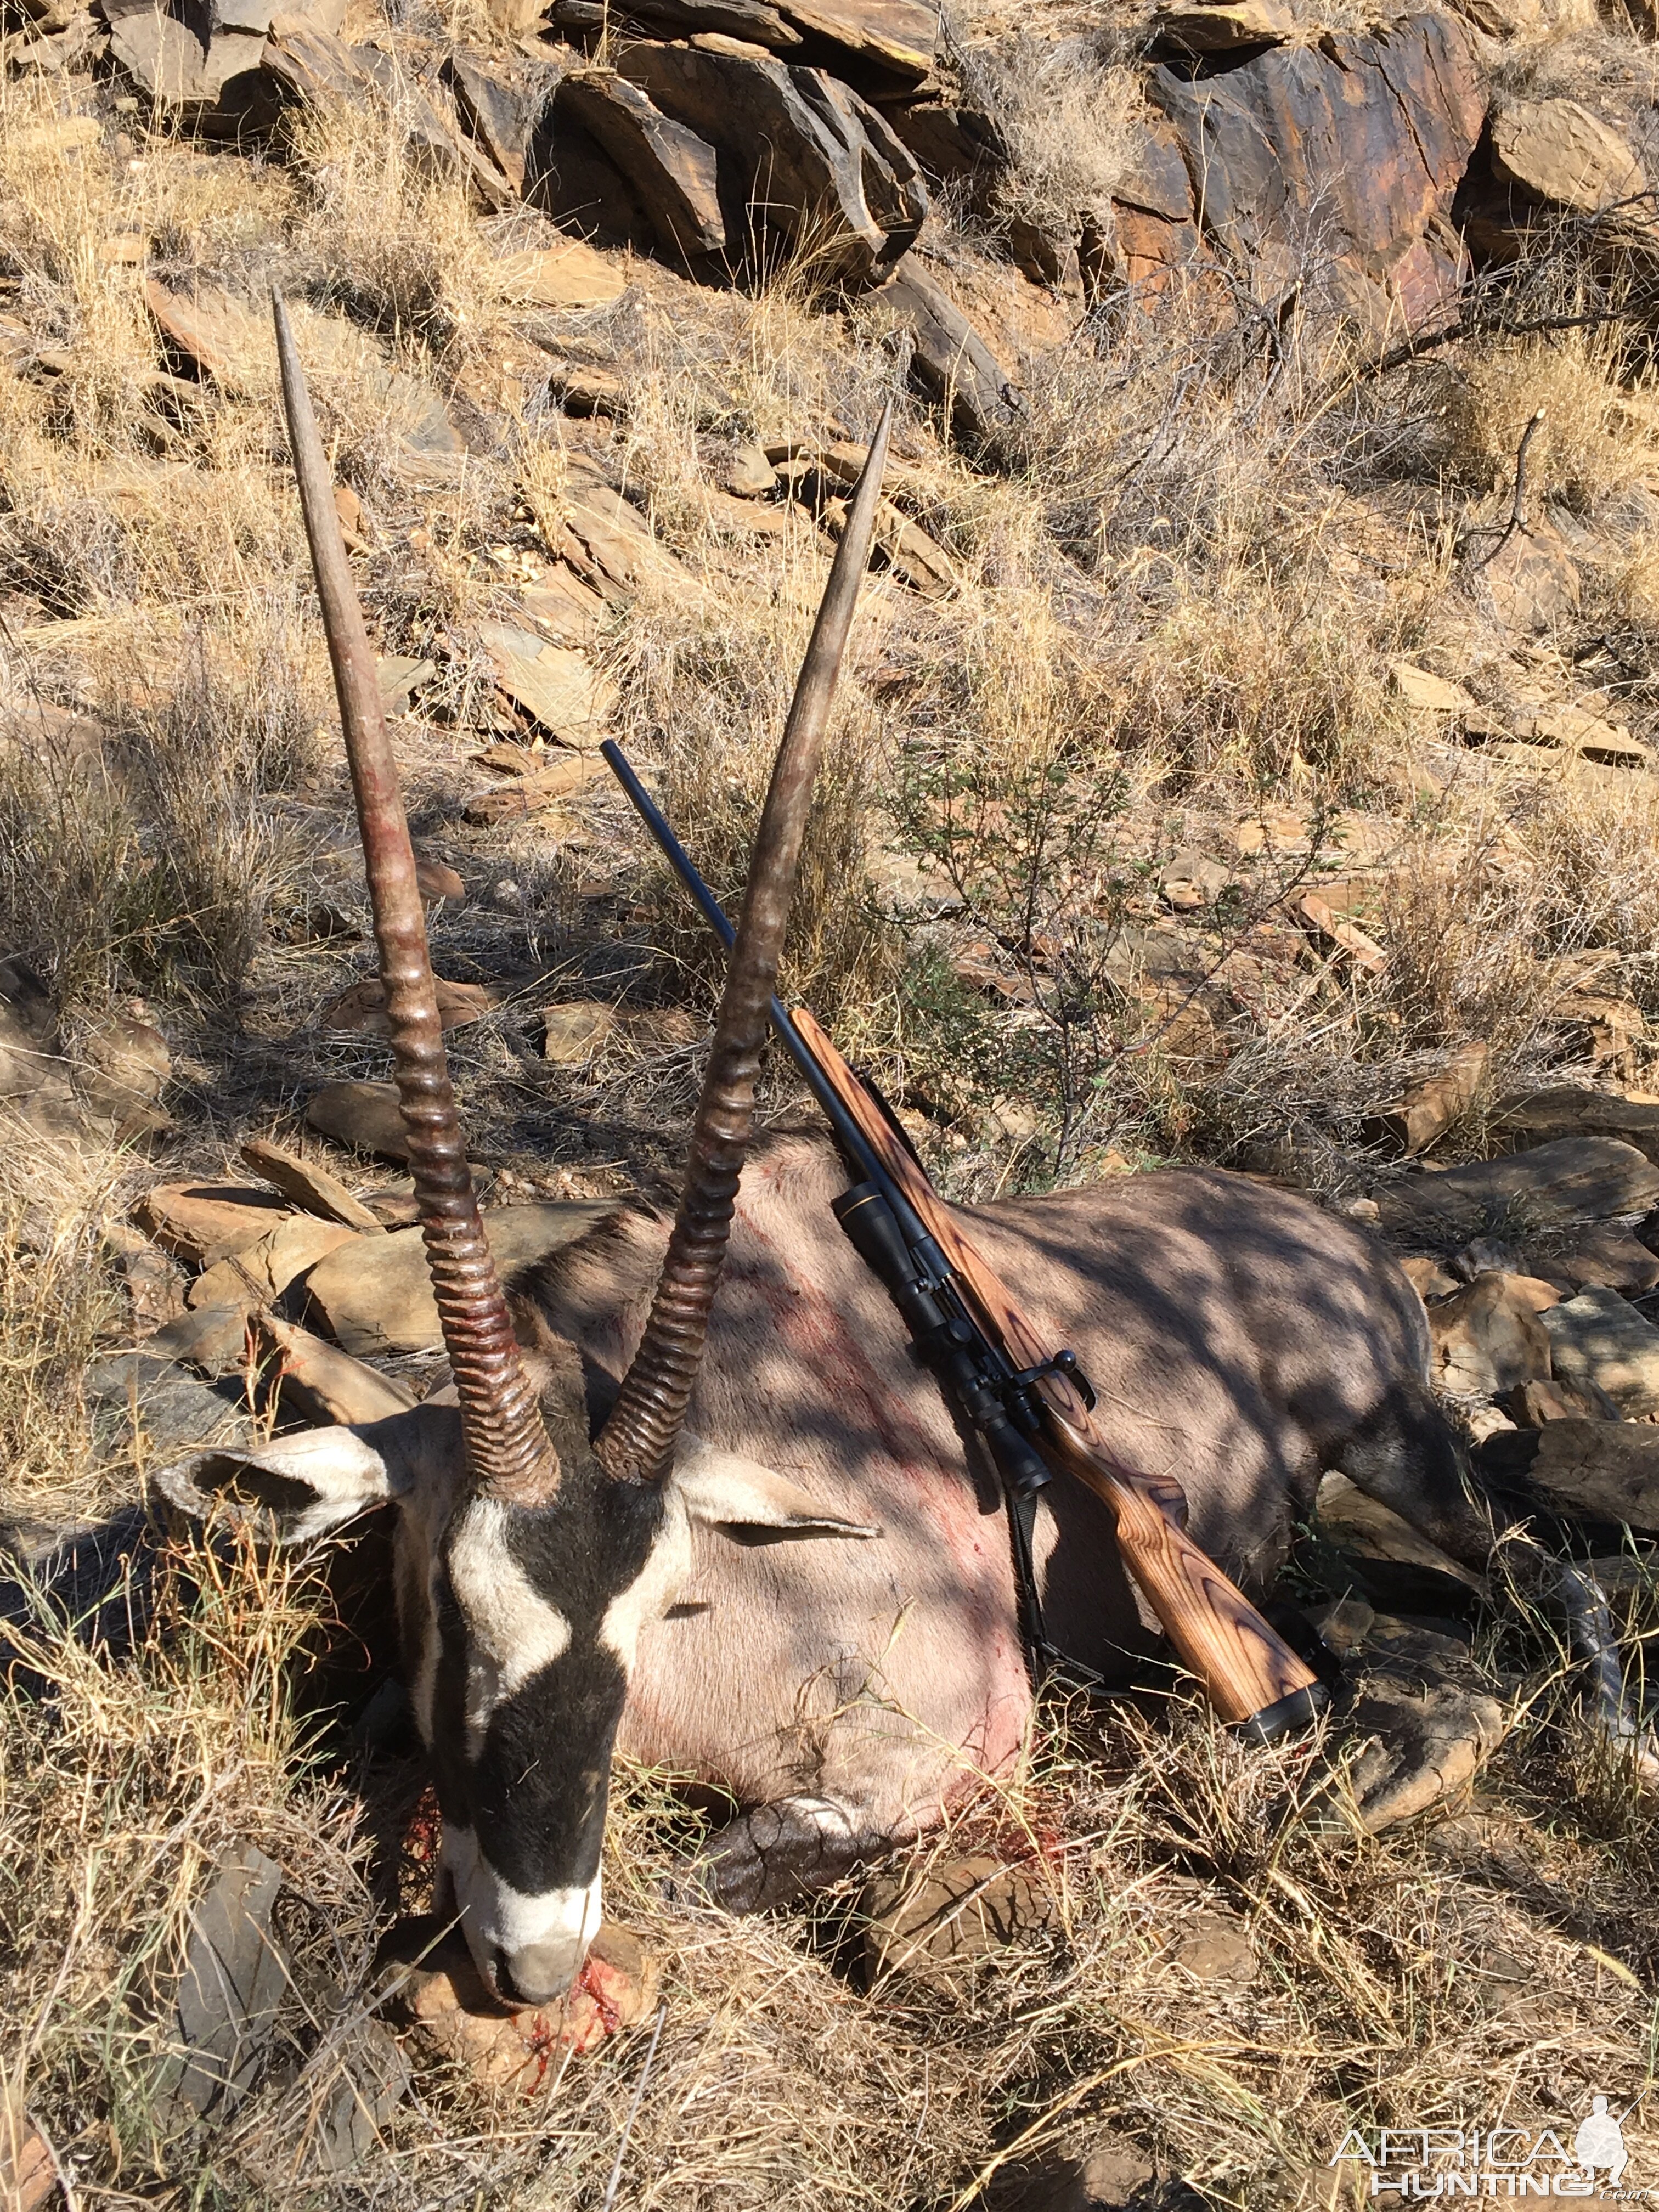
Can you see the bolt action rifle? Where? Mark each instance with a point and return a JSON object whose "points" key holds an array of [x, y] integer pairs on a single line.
{"points": [[1033, 1407]]}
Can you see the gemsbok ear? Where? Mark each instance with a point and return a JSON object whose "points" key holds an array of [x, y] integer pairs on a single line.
{"points": [[291, 1491], [728, 1491]]}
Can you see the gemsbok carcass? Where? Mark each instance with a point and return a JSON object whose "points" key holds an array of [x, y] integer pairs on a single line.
{"points": [[743, 1539]]}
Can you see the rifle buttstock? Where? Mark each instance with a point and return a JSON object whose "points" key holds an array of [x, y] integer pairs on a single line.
{"points": [[1248, 1672]]}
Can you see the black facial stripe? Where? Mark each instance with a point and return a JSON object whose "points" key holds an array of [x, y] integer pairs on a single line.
{"points": [[535, 1795]]}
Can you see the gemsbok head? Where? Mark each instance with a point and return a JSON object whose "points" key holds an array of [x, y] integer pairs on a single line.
{"points": [[529, 1553]]}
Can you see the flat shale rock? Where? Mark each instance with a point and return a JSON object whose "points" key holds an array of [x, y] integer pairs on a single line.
{"points": [[929, 1926], [1533, 581], [951, 364], [234, 1979], [228, 340], [1598, 1338], [1565, 1111], [362, 1008], [437, 879], [801, 153], [28, 2173], [1557, 151], [556, 685], [148, 1390], [1357, 145], [1427, 1109], [898, 37], [498, 113], [356, 2084], [569, 276], [376, 1294], [264, 1270], [165, 59], [1571, 1182], [572, 1033], [1488, 1338], [305, 1185], [324, 1383], [204, 1222], [1502, 19], [606, 540], [1214, 1948], [1606, 1470], [1221, 27], [366, 1116], [1605, 1257], [1417, 1744], [1403, 1567], [673, 171]]}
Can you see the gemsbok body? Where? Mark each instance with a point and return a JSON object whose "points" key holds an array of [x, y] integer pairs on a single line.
{"points": [[814, 1613], [778, 1568]]}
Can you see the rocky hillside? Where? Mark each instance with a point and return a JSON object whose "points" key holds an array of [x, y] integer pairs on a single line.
{"points": [[1246, 755]]}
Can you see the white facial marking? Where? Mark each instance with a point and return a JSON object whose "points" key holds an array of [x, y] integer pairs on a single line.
{"points": [[655, 1587], [512, 1632], [497, 1919]]}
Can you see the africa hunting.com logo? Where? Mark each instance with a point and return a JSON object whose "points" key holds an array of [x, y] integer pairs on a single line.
{"points": [[1452, 2162]]}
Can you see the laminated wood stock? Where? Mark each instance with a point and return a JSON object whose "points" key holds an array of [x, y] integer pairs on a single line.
{"points": [[1253, 1677]]}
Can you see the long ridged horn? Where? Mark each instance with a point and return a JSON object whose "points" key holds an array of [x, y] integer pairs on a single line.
{"points": [[507, 1448], [637, 1442]]}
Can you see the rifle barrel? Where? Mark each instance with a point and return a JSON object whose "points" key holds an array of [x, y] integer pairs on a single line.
{"points": [[855, 1146]]}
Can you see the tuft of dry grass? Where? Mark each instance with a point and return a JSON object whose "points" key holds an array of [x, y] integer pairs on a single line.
{"points": [[155, 864]]}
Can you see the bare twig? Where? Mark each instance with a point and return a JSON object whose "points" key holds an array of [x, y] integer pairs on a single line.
{"points": [[71, 2202], [1517, 516]]}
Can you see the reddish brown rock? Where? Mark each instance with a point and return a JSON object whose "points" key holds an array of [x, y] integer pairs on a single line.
{"points": [[1219, 27], [362, 1007], [324, 1383], [1556, 151], [1531, 1404], [950, 363], [1531, 578], [305, 1185], [29, 2172], [202, 1223], [1530, 1117], [1487, 1337], [896, 37], [264, 1269], [1213, 1946], [454, 2016], [1352, 148], [497, 113], [1429, 1109], [437, 879], [931, 1923], [1608, 1256], [1608, 1470], [1427, 1276], [364, 1115]]}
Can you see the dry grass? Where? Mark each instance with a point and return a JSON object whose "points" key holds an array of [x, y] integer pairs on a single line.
{"points": [[1421, 1980]]}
